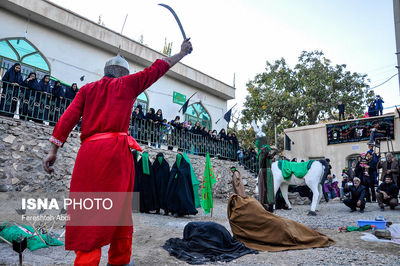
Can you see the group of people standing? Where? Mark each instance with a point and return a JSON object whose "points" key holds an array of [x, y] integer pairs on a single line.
{"points": [[197, 129], [174, 190], [375, 108], [361, 179], [35, 95]]}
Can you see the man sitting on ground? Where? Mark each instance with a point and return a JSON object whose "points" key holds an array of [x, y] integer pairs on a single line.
{"points": [[357, 193], [387, 194]]}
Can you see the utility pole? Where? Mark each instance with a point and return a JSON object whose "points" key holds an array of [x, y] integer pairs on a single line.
{"points": [[396, 10]]}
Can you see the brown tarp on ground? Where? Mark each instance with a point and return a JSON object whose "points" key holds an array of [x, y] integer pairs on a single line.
{"points": [[260, 230]]}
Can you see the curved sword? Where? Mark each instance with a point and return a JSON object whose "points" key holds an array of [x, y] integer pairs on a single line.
{"points": [[177, 21], [176, 18]]}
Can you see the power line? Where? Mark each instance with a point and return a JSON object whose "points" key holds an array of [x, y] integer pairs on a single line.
{"points": [[381, 69], [384, 81]]}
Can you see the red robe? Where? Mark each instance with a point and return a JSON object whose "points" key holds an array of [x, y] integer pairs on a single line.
{"points": [[103, 165]]}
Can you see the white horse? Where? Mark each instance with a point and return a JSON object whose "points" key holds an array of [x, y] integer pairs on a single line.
{"points": [[313, 179]]}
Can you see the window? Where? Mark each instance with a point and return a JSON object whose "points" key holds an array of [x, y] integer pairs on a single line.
{"points": [[143, 100], [351, 158], [22, 51], [196, 112]]}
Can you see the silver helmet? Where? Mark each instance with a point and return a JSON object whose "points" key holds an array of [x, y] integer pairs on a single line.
{"points": [[116, 67]]}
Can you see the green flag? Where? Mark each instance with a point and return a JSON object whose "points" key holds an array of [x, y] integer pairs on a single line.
{"points": [[206, 191], [195, 182]]}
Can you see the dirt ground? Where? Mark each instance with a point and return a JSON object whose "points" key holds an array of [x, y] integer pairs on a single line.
{"points": [[151, 231]]}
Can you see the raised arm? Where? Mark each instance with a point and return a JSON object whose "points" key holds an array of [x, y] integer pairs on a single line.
{"points": [[140, 81], [186, 47]]}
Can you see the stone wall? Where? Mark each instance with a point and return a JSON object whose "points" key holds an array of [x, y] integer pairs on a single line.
{"points": [[24, 144]]}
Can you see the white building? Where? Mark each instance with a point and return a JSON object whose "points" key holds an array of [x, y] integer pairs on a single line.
{"points": [[342, 141], [69, 46]]}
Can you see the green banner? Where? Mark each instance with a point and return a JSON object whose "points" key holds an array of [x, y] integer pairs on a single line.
{"points": [[179, 98], [206, 191]]}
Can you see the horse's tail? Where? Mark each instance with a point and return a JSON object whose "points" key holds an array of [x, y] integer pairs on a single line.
{"points": [[324, 177]]}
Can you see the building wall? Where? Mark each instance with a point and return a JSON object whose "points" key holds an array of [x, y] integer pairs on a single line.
{"points": [[310, 142], [71, 58]]}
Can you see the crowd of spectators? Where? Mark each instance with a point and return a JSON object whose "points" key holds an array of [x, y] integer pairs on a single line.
{"points": [[166, 126], [30, 90], [360, 181], [46, 99]]}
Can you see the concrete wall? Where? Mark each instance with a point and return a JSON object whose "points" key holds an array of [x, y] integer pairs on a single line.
{"points": [[71, 58], [311, 142]]}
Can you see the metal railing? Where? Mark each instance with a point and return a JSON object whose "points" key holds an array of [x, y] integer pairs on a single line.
{"points": [[29, 104], [250, 163], [162, 135]]}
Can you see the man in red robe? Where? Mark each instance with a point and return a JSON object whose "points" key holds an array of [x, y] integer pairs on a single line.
{"points": [[104, 162]]}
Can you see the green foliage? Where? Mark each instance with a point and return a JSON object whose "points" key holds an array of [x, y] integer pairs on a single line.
{"points": [[167, 48], [305, 94]]}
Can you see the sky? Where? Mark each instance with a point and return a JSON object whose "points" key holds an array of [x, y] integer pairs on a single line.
{"points": [[240, 36]]}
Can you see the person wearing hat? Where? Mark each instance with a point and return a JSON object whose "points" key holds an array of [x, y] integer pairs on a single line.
{"points": [[104, 162], [237, 183]]}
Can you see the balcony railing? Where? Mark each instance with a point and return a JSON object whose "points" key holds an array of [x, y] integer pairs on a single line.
{"points": [[30, 104], [44, 107]]}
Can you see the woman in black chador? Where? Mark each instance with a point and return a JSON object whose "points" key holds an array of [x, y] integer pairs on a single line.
{"points": [[147, 185], [31, 94], [44, 85], [11, 81], [161, 174], [180, 197], [58, 100]]}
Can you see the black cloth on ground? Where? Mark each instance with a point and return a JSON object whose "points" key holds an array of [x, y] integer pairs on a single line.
{"points": [[205, 242]]}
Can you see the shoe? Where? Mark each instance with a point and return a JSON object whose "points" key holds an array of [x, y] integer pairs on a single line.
{"points": [[392, 207], [361, 211], [352, 210], [382, 208]]}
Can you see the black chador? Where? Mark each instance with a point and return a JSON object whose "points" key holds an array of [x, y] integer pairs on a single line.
{"points": [[161, 173], [147, 185], [180, 198]]}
